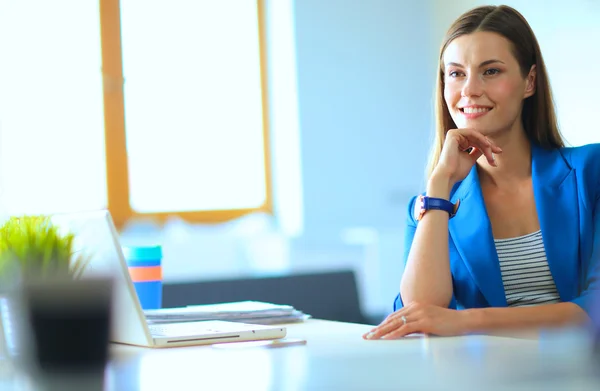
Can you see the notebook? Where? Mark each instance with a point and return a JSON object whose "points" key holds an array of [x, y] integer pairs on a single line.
{"points": [[255, 312]]}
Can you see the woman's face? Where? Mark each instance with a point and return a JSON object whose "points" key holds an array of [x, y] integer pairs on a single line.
{"points": [[484, 88]]}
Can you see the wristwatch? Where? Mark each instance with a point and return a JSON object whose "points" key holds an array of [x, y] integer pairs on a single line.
{"points": [[425, 203]]}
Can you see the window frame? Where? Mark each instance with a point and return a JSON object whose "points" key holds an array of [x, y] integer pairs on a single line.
{"points": [[117, 173]]}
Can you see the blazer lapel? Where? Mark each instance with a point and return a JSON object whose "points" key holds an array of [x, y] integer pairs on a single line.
{"points": [[471, 232], [555, 191]]}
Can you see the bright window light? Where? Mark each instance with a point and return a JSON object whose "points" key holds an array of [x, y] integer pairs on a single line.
{"points": [[193, 106], [52, 156]]}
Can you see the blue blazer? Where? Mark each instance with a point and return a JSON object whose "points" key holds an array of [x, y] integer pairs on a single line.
{"points": [[566, 185]]}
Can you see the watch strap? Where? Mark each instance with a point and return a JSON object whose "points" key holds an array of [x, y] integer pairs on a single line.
{"points": [[426, 203]]}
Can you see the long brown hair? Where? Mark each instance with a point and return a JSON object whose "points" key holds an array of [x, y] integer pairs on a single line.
{"points": [[538, 115]]}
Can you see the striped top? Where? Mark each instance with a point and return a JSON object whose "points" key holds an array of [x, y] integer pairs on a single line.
{"points": [[525, 272]]}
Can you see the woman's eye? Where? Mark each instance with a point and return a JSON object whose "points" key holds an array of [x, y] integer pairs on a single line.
{"points": [[454, 74], [491, 72]]}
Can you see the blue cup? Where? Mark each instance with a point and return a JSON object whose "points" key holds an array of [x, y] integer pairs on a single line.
{"points": [[145, 269]]}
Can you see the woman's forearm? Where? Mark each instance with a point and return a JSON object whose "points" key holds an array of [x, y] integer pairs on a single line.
{"points": [[479, 320], [427, 278]]}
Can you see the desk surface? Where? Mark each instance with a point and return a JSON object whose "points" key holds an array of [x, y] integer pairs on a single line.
{"points": [[336, 358]]}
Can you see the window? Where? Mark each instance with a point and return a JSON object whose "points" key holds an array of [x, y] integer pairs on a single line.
{"points": [[149, 108]]}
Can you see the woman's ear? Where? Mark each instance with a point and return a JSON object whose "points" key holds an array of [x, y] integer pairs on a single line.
{"points": [[531, 82]]}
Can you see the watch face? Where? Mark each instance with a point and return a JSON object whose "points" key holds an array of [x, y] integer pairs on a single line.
{"points": [[455, 211], [420, 208]]}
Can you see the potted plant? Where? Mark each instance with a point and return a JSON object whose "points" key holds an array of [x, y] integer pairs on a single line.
{"points": [[33, 247], [38, 259]]}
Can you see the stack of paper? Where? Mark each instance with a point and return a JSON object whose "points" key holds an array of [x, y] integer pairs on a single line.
{"points": [[255, 312]]}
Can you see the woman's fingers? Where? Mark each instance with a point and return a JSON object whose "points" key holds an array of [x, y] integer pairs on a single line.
{"points": [[481, 143], [496, 149], [395, 329], [382, 329], [467, 140], [475, 154], [470, 138], [409, 328], [390, 324], [384, 325]]}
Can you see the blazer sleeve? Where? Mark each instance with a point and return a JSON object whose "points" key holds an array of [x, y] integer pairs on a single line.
{"points": [[411, 227], [589, 299]]}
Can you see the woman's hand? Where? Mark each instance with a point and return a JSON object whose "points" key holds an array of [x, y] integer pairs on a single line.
{"points": [[421, 318], [462, 148]]}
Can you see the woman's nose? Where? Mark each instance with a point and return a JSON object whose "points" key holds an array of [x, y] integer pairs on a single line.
{"points": [[473, 87]]}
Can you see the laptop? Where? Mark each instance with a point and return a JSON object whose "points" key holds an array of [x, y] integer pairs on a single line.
{"points": [[96, 236]]}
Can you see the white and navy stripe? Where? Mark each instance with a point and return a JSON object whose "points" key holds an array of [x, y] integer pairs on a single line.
{"points": [[525, 272]]}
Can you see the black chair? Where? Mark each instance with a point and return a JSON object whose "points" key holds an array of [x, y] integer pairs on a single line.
{"points": [[326, 295]]}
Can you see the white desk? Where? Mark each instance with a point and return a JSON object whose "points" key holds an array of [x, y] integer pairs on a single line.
{"points": [[336, 358]]}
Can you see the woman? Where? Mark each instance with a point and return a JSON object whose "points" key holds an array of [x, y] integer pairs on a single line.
{"points": [[507, 234]]}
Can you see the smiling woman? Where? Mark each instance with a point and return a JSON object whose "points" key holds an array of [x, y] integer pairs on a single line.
{"points": [[485, 94], [527, 232]]}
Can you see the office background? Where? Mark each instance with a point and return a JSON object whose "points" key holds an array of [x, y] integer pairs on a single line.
{"points": [[350, 87]]}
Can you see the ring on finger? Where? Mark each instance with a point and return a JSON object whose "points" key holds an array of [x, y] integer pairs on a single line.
{"points": [[403, 319]]}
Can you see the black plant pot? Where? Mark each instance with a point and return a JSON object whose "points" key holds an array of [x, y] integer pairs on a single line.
{"points": [[69, 324]]}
